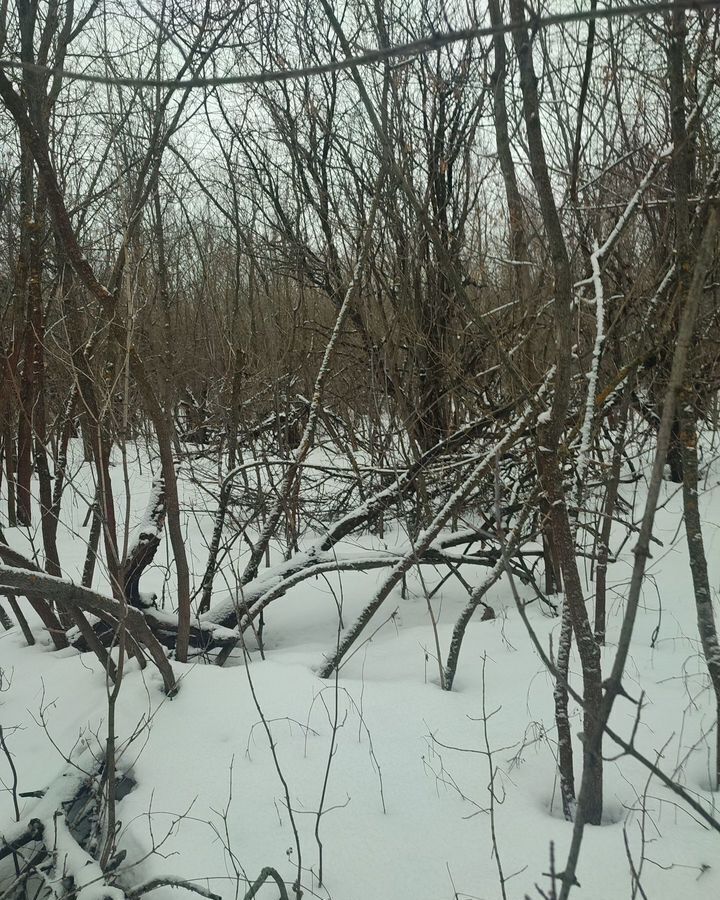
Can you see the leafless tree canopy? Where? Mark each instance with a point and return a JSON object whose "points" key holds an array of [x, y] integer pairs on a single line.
{"points": [[469, 253]]}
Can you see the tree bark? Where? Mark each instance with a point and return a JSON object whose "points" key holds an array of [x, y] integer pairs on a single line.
{"points": [[562, 719], [550, 470], [698, 565]]}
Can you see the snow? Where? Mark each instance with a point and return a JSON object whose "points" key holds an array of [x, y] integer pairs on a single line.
{"points": [[407, 807], [148, 526], [592, 375]]}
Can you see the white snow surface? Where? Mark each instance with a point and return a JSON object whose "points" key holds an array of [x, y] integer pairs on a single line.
{"points": [[407, 806]]}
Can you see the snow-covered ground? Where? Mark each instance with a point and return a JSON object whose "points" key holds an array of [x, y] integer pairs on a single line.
{"points": [[407, 808]]}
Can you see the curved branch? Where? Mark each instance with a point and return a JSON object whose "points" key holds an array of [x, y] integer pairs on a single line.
{"points": [[34, 583]]}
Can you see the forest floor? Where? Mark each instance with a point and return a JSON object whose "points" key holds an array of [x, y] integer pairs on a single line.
{"points": [[407, 810]]}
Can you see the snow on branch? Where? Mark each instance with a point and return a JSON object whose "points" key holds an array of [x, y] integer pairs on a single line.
{"points": [[277, 579], [31, 582], [169, 881], [599, 254], [60, 858], [145, 544], [429, 534], [586, 431]]}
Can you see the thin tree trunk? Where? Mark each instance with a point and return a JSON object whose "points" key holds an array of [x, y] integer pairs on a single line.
{"points": [[698, 567], [588, 649], [562, 720], [608, 511], [61, 462], [37, 327], [613, 685], [92, 546], [9, 445], [518, 239], [680, 168], [22, 621], [211, 567], [163, 430], [23, 472], [476, 597], [550, 437]]}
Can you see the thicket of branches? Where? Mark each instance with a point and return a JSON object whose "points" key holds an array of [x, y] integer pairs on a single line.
{"points": [[475, 274]]}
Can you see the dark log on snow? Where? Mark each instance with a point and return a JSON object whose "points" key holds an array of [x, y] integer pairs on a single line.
{"points": [[63, 828], [144, 547], [33, 832], [59, 827]]}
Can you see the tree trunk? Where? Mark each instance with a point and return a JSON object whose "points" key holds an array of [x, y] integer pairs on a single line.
{"points": [[26, 389], [608, 511], [562, 721], [698, 567], [9, 460], [550, 436], [163, 430], [588, 649], [518, 239]]}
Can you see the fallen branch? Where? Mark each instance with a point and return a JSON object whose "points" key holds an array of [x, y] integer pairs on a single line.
{"points": [[426, 537], [34, 832], [33, 583], [145, 545], [169, 881], [59, 856], [267, 872]]}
